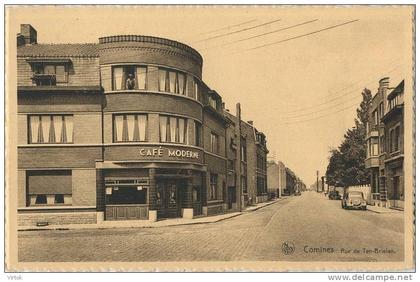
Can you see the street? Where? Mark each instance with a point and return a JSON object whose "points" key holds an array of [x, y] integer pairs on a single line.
{"points": [[317, 227]]}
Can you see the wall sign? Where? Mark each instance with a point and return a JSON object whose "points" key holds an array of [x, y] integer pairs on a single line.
{"points": [[163, 152]]}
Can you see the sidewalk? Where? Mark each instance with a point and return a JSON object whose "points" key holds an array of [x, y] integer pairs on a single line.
{"points": [[377, 209], [148, 224]]}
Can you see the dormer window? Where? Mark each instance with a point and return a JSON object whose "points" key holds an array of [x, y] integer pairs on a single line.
{"points": [[49, 73], [213, 102]]}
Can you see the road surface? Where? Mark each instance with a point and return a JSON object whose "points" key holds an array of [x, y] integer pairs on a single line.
{"points": [[298, 228]]}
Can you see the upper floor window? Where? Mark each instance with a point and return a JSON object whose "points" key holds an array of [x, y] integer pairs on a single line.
{"points": [[130, 127], [375, 117], [195, 89], [214, 143], [394, 139], [50, 129], [172, 81], [381, 109], [129, 77], [243, 153], [213, 186], [49, 74], [173, 129], [213, 102]]}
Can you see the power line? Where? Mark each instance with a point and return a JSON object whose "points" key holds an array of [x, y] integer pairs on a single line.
{"points": [[227, 27], [303, 35], [339, 96], [237, 31], [262, 34]]}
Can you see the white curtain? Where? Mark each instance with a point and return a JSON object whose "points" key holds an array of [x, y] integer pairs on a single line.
{"points": [[69, 127], [58, 127], [118, 75], [142, 119], [118, 127], [181, 125], [172, 78], [172, 123], [162, 124], [46, 123], [141, 77], [130, 127], [181, 83], [162, 79], [34, 122]]}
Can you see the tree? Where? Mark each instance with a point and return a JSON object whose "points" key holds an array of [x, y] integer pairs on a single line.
{"points": [[346, 165]]}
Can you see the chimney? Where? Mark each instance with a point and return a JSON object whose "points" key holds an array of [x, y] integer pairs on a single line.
{"points": [[383, 85], [27, 35]]}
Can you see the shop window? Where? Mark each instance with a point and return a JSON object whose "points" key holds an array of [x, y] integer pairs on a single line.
{"points": [[173, 129], [49, 74], [213, 186], [130, 128], [214, 143], [172, 81], [40, 199], [129, 77], [121, 195], [50, 129]]}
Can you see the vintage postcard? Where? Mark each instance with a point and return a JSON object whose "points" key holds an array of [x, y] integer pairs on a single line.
{"points": [[210, 138]]}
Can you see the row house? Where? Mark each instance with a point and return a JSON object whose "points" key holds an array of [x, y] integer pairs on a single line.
{"points": [[276, 178], [385, 145], [247, 162], [126, 129]]}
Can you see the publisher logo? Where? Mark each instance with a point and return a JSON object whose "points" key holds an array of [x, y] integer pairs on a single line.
{"points": [[288, 248]]}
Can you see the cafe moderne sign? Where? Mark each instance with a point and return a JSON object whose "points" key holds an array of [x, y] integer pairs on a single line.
{"points": [[168, 153]]}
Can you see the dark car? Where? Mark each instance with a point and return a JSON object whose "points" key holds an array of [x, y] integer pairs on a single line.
{"points": [[353, 200], [334, 195]]}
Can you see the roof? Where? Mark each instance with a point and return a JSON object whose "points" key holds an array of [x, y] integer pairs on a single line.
{"points": [[59, 50], [398, 90]]}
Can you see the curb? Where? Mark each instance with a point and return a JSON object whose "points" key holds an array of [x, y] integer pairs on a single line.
{"points": [[169, 225]]}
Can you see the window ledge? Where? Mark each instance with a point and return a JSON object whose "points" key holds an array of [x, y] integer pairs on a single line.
{"points": [[215, 202], [139, 91]]}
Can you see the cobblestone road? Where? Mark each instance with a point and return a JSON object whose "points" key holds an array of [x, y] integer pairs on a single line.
{"points": [[309, 221]]}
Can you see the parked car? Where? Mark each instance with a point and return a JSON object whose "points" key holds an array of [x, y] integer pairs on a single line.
{"points": [[297, 193], [353, 200], [334, 195]]}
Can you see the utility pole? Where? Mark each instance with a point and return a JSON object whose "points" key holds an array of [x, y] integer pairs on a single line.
{"points": [[239, 192], [323, 188], [317, 180]]}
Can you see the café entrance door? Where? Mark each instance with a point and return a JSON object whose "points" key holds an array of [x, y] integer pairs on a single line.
{"points": [[168, 198]]}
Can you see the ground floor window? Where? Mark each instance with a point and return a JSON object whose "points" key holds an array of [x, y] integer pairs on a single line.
{"points": [[49, 187], [120, 195]]}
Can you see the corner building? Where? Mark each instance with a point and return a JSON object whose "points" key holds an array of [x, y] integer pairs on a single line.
{"points": [[124, 129]]}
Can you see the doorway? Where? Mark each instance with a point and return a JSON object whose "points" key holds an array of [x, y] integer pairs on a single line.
{"points": [[231, 197], [168, 198]]}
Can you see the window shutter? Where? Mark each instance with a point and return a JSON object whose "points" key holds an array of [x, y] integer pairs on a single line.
{"points": [[49, 182]]}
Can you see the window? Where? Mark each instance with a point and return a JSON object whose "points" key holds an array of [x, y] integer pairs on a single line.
{"points": [[195, 89], [172, 81], [243, 153], [51, 187], [50, 74], [381, 109], [213, 186], [244, 184], [130, 127], [173, 129], [50, 129], [391, 140], [397, 139], [118, 195], [197, 130], [213, 102], [129, 77], [382, 144], [214, 143], [375, 117]]}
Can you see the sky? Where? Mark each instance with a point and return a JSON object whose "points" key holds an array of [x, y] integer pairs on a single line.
{"points": [[297, 71]]}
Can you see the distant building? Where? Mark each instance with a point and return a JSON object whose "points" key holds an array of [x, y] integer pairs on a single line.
{"points": [[385, 145]]}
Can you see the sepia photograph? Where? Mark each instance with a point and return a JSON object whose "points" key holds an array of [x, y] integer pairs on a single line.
{"points": [[210, 138]]}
